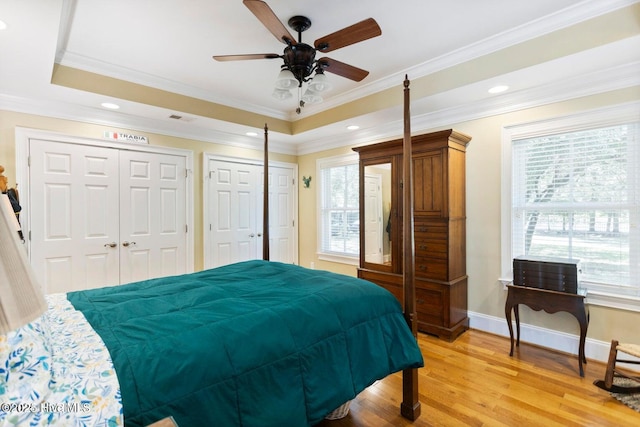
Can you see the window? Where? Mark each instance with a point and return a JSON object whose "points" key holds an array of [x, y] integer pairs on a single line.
{"points": [[575, 193], [338, 202]]}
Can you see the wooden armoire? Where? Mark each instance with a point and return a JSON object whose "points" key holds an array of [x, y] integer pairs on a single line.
{"points": [[439, 226]]}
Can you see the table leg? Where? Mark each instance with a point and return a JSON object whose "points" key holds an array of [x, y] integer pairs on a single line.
{"points": [[507, 313], [584, 322], [516, 312]]}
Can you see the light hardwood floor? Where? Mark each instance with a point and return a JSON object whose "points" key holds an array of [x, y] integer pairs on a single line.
{"points": [[473, 382]]}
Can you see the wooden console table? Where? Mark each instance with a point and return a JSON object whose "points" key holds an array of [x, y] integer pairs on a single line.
{"points": [[551, 302]]}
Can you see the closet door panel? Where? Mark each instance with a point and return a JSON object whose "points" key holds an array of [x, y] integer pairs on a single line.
{"points": [[73, 203], [233, 212], [152, 220], [281, 227], [232, 206]]}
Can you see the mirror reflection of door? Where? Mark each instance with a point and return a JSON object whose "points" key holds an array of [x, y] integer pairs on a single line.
{"points": [[377, 207]]}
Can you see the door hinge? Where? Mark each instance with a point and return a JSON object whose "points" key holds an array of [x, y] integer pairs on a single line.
{"points": [[186, 228]]}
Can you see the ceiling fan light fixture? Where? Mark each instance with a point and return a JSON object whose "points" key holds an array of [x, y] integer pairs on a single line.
{"points": [[281, 94], [286, 80], [319, 82], [311, 97]]}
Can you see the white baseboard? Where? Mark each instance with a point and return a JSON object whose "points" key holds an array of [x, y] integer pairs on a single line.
{"points": [[560, 341]]}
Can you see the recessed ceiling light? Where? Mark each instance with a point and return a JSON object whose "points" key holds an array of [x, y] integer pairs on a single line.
{"points": [[251, 133], [110, 105], [3, 25], [353, 127], [498, 89]]}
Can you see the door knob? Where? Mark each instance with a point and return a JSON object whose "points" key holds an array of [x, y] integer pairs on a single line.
{"points": [[259, 234], [252, 235], [110, 245], [125, 243]]}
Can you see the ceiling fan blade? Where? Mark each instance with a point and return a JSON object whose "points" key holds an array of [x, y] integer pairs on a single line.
{"points": [[355, 33], [263, 12], [245, 57], [342, 69]]}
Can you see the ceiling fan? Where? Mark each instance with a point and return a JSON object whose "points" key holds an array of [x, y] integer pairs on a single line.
{"points": [[300, 58]]}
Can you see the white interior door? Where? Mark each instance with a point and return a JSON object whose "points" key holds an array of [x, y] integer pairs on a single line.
{"points": [[233, 212], [152, 215], [75, 228], [102, 216], [281, 209], [373, 218]]}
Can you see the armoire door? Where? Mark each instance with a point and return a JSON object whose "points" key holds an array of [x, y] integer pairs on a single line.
{"points": [[105, 216]]}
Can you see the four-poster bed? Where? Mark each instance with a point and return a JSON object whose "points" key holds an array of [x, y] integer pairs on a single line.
{"points": [[410, 407], [256, 343]]}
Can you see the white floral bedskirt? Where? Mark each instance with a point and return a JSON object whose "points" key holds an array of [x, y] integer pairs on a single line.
{"points": [[57, 371]]}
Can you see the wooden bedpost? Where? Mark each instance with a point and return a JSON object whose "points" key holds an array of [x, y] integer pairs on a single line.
{"points": [[265, 198], [410, 407]]}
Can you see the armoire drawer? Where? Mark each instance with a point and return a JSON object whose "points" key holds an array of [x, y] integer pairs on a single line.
{"points": [[430, 306], [431, 248], [430, 230], [431, 268]]}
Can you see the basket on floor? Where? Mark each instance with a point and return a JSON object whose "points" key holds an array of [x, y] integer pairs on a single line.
{"points": [[340, 412]]}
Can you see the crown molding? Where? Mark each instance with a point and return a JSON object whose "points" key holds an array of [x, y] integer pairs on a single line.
{"points": [[564, 18], [567, 17], [575, 87], [92, 65], [118, 120]]}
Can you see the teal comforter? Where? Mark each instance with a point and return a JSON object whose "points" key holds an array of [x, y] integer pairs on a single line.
{"points": [[256, 343]]}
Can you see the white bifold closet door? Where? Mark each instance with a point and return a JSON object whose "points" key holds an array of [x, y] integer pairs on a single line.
{"points": [[234, 212], [103, 216]]}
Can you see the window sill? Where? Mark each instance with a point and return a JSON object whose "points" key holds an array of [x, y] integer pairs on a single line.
{"points": [[342, 259], [613, 301]]}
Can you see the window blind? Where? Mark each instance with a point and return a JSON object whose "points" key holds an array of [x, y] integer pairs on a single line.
{"points": [[339, 208], [577, 195]]}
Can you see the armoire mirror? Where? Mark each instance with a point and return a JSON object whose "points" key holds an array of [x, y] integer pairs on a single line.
{"points": [[377, 213]]}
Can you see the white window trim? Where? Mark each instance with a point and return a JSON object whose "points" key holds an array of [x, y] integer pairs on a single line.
{"points": [[609, 116], [341, 259], [341, 160]]}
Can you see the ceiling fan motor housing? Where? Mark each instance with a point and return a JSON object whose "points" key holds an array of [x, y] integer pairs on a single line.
{"points": [[300, 59]]}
